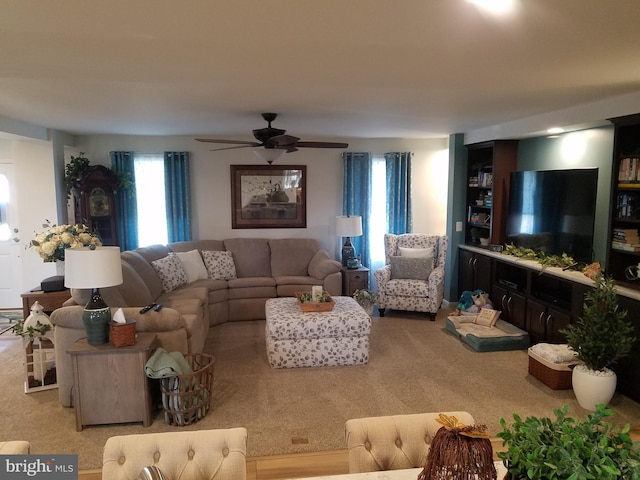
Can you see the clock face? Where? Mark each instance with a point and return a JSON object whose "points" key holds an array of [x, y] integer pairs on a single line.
{"points": [[98, 203]]}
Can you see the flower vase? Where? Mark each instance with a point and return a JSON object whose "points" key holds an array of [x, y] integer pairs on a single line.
{"points": [[60, 268]]}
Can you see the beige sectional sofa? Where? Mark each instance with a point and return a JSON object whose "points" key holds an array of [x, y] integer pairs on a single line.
{"points": [[247, 271]]}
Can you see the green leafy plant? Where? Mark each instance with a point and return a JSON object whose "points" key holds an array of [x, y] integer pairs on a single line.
{"points": [[365, 298], [561, 261], [602, 335], [38, 330], [307, 297], [74, 170], [569, 449]]}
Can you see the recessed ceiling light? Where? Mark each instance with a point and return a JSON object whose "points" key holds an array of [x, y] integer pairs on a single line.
{"points": [[555, 130], [497, 7]]}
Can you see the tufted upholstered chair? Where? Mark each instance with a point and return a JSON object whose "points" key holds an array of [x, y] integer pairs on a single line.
{"points": [[15, 447], [393, 442], [412, 294], [192, 455]]}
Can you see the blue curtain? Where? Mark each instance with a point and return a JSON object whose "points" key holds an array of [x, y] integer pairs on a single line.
{"points": [[122, 164], [398, 168], [357, 196], [178, 195]]}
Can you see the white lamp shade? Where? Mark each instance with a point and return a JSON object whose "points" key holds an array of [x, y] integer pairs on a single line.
{"points": [[348, 225], [269, 154], [98, 268]]}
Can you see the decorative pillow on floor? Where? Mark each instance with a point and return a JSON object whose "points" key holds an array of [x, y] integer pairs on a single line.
{"points": [[487, 317], [193, 265], [219, 264], [170, 271], [410, 268]]}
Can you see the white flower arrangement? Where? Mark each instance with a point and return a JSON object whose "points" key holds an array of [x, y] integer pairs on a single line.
{"points": [[52, 243]]}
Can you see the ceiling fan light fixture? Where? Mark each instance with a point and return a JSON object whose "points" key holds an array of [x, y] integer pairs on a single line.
{"points": [[269, 155]]}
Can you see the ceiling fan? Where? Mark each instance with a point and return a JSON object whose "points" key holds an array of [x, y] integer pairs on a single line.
{"points": [[272, 139]]}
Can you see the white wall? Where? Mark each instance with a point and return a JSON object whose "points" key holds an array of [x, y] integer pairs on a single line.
{"points": [[211, 185]]}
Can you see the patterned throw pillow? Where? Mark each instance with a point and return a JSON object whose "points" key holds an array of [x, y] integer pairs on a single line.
{"points": [[418, 253], [410, 268], [219, 264], [170, 271]]}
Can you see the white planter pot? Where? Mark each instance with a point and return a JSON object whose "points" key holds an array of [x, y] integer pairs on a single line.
{"points": [[592, 387]]}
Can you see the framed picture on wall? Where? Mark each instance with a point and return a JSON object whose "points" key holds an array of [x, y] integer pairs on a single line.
{"points": [[268, 196]]}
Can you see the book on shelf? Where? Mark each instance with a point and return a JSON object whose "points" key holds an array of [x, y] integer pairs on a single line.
{"points": [[629, 170], [625, 247]]}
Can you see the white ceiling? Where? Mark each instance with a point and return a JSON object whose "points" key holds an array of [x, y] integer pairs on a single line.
{"points": [[330, 68]]}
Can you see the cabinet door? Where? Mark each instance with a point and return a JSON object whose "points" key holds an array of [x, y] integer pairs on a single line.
{"points": [[556, 320], [474, 272], [536, 319], [482, 266], [466, 275], [517, 313]]}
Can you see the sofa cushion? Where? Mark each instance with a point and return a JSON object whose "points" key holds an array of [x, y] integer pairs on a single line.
{"points": [[251, 256], [193, 265], [291, 256], [145, 270], [201, 245], [170, 271], [219, 264], [322, 265], [153, 252]]}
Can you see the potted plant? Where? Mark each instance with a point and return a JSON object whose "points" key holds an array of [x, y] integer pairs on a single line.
{"points": [[366, 299], [566, 448], [600, 337]]}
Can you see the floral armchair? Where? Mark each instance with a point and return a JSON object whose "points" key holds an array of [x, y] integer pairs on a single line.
{"points": [[413, 276]]}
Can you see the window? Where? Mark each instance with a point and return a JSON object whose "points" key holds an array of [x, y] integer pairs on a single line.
{"points": [[150, 196], [378, 225], [5, 231]]}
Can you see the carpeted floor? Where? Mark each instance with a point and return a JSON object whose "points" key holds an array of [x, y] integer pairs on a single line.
{"points": [[415, 366]]}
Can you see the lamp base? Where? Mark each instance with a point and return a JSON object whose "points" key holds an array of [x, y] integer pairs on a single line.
{"points": [[96, 318], [348, 252]]}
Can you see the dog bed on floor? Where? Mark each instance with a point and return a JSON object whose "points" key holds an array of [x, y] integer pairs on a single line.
{"points": [[502, 336]]}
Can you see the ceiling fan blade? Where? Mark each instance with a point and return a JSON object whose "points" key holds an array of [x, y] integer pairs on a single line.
{"points": [[283, 140], [237, 146], [322, 145], [233, 142]]}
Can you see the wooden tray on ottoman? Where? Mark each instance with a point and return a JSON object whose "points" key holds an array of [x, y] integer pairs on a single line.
{"points": [[315, 307]]}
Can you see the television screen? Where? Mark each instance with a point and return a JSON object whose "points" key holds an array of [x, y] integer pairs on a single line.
{"points": [[553, 211]]}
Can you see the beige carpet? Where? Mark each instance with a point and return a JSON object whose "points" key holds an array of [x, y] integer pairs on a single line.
{"points": [[415, 366]]}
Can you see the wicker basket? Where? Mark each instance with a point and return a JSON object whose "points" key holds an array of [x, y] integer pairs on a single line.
{"points": [[558, 378], [187, 398], [315, 307], [123, 334]]}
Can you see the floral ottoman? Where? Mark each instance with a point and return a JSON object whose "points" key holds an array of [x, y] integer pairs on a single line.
{"points": [[316, 339]]}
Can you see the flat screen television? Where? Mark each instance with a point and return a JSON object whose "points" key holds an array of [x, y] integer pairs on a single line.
{"points": [[553, 211]]}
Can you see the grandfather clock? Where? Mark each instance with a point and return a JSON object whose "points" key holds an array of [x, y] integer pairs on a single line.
{"points": [[94, 198]]}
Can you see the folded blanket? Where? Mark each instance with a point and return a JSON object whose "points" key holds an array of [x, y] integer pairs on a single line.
{"points": [[166, 364], [554, 353]]}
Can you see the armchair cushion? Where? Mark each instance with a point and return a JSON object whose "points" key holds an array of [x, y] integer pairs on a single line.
{"points": [[411, 268]]}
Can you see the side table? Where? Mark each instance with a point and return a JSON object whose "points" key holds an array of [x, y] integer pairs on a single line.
{"points": [[354, 279], [109, 384], [49, 300]]}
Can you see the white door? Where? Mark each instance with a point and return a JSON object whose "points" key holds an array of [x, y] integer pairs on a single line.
{"points": [[10, 245]]}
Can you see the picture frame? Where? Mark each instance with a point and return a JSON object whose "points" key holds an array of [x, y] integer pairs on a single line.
{"points": [[268, 196]]}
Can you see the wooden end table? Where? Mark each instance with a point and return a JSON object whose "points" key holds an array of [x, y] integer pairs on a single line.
{"points": [[109, 384], [50, 301], [354, 279]]}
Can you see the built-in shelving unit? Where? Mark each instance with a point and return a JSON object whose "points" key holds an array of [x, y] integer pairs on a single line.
{"points": [[488, 171], [624, 240]]}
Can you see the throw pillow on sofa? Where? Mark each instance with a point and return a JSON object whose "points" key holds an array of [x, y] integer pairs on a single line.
{"points": [[193, 265], [170, 271], [219, 264]]}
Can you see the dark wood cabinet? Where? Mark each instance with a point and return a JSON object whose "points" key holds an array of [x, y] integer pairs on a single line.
{"points": [[544, 300], [354, 279], [511, 304], [488, 176], [475, 272], [95, 203]]}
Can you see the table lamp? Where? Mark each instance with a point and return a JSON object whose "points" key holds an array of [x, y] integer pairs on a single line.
{"points": [[94, 268], [348, 226]]}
